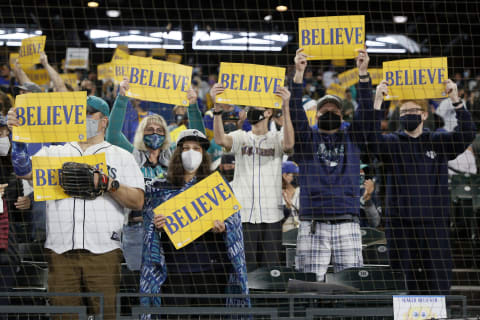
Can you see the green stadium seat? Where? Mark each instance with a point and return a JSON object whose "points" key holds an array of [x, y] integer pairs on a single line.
{"points": [[461, 186], [376, 254], [372, 236], [275, 279], [370, 280]]}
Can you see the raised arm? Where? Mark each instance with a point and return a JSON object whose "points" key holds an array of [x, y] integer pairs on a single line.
{"points": [[288, 132], [455, 143], [58, 82], [22, 165], [114, 133], [301, 127], [19, 73], [195, 120], [219, 135]]}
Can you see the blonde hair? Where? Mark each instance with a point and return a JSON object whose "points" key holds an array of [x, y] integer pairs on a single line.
{"points": [[152, 119], [419, 102]]}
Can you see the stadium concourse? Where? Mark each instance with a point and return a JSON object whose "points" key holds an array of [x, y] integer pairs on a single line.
{"points": [[239, 159]]}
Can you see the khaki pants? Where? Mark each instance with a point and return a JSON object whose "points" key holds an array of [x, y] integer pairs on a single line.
{"points": [[83, 271]]}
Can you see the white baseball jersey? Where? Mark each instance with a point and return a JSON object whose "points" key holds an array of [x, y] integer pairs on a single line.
{"points": [[90, 224], [257, 182]]}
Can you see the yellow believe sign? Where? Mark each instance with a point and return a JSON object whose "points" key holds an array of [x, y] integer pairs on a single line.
{"points": [[70, 78], [39, 76], [155, 80], [191, 213], [250, 85], [30, 50], [325, 38], [416, 78], [51, 117], [350, 77], [45, 171], [105, 71], [336, 90]]}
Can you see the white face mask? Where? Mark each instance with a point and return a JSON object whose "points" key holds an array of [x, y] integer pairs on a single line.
{"points": [[4, 146], [191, 160], [92, 127]]}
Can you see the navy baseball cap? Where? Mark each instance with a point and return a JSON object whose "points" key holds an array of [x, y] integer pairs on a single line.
{"points": [[290, 167]]}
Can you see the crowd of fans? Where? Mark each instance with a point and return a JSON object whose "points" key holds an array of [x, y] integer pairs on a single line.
{"points": [[356, 162]]}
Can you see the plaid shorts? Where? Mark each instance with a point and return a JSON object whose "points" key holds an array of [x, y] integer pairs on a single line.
{"points": [[340, 244]]}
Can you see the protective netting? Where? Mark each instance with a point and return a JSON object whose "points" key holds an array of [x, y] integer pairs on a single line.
{"points": [[325, 207]]}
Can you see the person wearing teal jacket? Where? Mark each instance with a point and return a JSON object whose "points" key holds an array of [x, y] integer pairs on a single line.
{"points": [[152, 151]]}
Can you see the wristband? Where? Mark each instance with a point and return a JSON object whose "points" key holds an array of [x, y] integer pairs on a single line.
{"points": [[366, 76], [456, 104], [217, 113]]}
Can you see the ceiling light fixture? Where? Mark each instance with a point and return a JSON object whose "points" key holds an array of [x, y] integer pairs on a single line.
{"points": [[92, 4], [281, 8], [113, 13], [400, 19], [268, 18]]}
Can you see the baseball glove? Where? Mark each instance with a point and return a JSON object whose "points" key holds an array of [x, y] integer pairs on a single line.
{"points": [[78, 180]]}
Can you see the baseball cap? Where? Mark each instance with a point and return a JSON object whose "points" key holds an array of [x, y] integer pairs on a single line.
{"points": [[30, 87], [329, 99], [290, 167], [193, 135], [98, 104]]}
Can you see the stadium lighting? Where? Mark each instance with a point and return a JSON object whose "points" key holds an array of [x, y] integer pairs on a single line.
{"points": [[281, 8], [113, 13], [14, 43], [92, 4], [96, 34], [38, 32], [400, 19], [20, 29], [2, 31], [134, 32], [268, 18]]}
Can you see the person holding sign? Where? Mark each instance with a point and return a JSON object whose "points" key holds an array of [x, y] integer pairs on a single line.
{"points": [[210, 262], [257, 181], [418, 200], [329, 161], [82, 242]]}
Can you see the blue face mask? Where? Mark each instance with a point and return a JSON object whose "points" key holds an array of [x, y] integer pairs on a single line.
{"points": [[153, 141]]}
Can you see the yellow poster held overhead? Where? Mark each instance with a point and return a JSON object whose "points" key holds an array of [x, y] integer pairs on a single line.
{"points": [[105, 71], [376, 75], [51, 117], [348, 78], [191, 213], [336, 37], [39, 76], [155, 80], [119, 55], [70, 78], [45, 171], [30, 50], [416, 78], [336, 90], [250, 85]]}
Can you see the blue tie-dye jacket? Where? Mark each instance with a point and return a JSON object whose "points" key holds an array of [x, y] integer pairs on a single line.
{"points": [[154, 269]]}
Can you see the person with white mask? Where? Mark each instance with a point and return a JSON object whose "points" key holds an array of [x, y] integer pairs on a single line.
{"points": [[82, 240], [208, 265]]}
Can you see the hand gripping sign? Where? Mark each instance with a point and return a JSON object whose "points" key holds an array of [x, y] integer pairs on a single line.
{"points": [[336, 37], [45, 174], [191, 213], [51, 117], [250, 85], [155, 80], [416, 78]]}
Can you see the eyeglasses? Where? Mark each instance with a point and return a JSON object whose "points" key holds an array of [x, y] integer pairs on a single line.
{"points": [[152, 131], [411, 111]]}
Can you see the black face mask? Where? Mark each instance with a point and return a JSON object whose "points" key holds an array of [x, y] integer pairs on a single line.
{"points": [[410, 122], [329, 121], [228, 174], [255, 116], [278, 126], [294, 182], [229, 127]]}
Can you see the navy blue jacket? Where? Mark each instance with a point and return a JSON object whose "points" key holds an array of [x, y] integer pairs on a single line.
{"points": [[416, 169], [330, 163]]}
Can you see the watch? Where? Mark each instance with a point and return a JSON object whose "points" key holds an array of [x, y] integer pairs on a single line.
{"points": [[114, 186], [366, 76], [217, 113]]}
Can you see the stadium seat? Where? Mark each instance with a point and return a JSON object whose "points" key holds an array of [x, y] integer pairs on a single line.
{"points": [[32, 276], [461, 186], [376, 255], [370, 280], [289, 238], [371, 236], [31, 252], [275, 279]]}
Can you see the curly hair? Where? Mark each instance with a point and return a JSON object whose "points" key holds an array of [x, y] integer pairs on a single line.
{"points": [[176, 172]]}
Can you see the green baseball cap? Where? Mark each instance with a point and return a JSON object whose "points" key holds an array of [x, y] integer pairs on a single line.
{"points": [[98, 104]]}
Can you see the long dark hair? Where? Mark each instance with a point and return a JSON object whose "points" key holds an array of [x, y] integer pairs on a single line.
{"points": [[176, 172]]}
